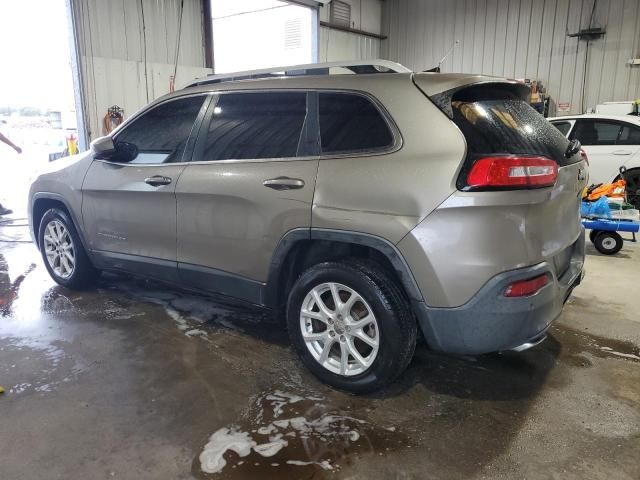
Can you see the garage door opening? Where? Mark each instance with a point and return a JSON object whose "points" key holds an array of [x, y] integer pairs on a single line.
{"points": [[37, 107], [252, 34]]}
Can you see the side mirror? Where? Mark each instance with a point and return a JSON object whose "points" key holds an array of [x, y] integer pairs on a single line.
{"points": [[125, 152], [104, 148]]}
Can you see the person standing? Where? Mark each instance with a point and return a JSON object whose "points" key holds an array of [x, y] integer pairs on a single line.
{"points": [[3, 139]]}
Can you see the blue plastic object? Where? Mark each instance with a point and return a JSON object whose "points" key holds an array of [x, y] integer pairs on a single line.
{"points": [[611, 225], [599, 208]]}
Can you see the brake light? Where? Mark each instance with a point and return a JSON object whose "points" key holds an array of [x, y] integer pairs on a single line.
{"points": [[524, 288], [513, 171], [584, 156]]}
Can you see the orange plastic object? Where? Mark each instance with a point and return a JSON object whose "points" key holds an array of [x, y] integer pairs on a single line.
{"points": [[611, 190]]}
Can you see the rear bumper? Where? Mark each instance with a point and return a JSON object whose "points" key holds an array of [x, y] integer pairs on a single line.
{"points": [[490, 322]]}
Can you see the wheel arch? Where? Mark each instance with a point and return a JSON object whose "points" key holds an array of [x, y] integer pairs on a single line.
{"points": [[301, 248], [44, 201], [633, 170]]}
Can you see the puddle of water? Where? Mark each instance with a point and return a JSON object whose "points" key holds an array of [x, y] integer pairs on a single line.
{"points": [[577, 342], [14, 230], [31, 309], [291, 435], [42, 361], [578, 361], [192, 313], [611, 351], [20, 388]]}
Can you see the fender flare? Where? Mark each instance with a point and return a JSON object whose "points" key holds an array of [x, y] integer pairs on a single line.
{"points": [[292, 237], [59, 198]]}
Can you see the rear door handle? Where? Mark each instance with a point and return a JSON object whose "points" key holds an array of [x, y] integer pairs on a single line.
{"points": [[157, 180], [284, 183], [622, 152]]}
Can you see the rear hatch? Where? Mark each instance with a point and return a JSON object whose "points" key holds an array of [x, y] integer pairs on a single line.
{"points": [[519, 174], [496, 120]]}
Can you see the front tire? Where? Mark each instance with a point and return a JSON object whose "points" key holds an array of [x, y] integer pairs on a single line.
{"points": [[63, 253], [351, 325]]}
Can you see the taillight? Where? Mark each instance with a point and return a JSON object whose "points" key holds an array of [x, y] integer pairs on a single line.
{"points": [[584, 156], [525, 288], [512, 171]]}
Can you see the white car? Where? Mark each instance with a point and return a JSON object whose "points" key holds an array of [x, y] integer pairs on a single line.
{"points": [[610, 142]]}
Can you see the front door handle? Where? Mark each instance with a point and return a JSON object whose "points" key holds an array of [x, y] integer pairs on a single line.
{"points": [[157, 180], [622, 152], [284, 183]]}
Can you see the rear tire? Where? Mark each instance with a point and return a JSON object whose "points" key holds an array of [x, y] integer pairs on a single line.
{"points": [[592, 235], [608, 243], [632, 178], [62, 251], [363, 341]]}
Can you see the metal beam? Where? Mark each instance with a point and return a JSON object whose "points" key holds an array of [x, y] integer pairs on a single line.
{"points": [[78, 80]]}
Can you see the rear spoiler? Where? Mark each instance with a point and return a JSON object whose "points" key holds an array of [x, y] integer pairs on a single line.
{"points": [[443, 89]]}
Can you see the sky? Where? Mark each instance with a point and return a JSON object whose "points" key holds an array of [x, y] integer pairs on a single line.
{"points": [[35, 62]]}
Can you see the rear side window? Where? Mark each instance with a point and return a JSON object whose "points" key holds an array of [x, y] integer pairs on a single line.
{"points": [[255, 125], [629, 135], [351, 123], [563, 127], [596, 132], [161, 133]]}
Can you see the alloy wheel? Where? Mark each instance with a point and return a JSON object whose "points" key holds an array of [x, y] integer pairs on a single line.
{"points": [[59, 249], [340, 329]]}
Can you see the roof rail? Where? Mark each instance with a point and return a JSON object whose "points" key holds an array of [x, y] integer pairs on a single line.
{"points": [[357, 66]]}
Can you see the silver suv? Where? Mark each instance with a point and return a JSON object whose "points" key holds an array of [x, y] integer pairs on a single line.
{"points": [[367, 206]]}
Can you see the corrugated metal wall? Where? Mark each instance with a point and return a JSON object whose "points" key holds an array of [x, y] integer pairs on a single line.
{"points": [[336, 45], [113, 52], [523, 39]]}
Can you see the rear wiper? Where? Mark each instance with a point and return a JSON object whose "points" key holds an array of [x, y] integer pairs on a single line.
{"points": [[573, 148]]}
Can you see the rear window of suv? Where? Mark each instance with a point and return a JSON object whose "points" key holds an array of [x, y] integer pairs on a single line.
{"points": [[496, 120]]}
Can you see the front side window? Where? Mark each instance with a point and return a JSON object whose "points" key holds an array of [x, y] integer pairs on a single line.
{"points": [[255, 125], [351, 123], [161, 134], [596, 132], [564, 127]]}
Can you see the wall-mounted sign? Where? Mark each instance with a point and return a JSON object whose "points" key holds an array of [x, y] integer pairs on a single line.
{"points": [[564, 107]]}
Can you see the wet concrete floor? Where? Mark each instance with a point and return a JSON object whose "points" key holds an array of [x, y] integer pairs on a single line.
{"points": [[129, 380]]}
